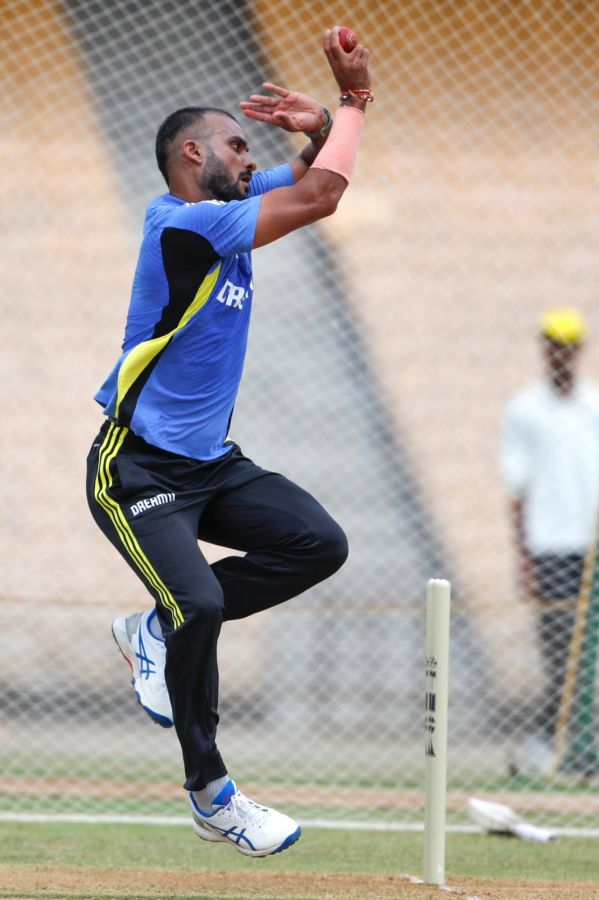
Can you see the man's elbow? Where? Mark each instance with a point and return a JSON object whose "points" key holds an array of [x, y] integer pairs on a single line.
{"points": [[321, 192], [326, 203], [331, 203]]}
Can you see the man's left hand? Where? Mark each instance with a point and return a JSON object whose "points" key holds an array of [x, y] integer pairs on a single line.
{"points": [[288, 110]]}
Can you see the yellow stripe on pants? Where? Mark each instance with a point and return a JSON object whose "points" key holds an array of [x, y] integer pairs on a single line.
{"points": [[108, 452]]}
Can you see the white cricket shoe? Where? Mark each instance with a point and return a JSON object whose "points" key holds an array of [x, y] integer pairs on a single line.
{"points": [[235, 819], [146, 656]]}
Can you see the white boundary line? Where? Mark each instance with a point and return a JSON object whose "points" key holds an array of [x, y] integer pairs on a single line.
{"points": [[342, 824]]}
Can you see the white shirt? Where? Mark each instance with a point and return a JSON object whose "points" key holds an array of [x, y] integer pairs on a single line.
{"points": [[549, 457]]}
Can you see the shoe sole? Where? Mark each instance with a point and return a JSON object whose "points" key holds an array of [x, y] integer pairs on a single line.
{"points": [[119, 633], [206, 835]]}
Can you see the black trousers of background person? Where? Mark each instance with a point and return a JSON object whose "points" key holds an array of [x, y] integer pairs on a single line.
{"points": [[559, 579], [153, 506]]}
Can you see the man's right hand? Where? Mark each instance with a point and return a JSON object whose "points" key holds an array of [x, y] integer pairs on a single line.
{"points": [[350, 69]]}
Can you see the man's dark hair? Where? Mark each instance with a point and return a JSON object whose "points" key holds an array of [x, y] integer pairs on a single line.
{"points": [[175, 124]]}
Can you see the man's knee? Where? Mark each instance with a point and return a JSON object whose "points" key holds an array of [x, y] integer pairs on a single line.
{"points": [[206, 606], [332, 547]]}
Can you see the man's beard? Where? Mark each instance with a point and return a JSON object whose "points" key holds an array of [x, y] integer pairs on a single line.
{"points": [[218, 181]]}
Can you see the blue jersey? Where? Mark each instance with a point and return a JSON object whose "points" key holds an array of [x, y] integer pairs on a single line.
{"points": [[176, 381]]}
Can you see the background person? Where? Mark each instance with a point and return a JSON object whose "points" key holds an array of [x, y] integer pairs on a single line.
{"points": [[549, 459]]}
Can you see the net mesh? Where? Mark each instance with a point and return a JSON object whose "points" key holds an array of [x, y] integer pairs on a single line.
{"points": [[385, 345]]}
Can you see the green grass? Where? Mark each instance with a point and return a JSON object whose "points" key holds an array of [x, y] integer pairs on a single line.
{"points": [[319, 851], [152, 770]]}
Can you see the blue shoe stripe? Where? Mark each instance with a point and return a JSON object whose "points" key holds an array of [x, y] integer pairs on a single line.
{"points": [[289, 840], [160, 720], [148, 666], [230, 833]]}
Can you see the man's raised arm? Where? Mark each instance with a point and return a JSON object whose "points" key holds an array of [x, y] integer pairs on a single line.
{"points": [[330, 158]]}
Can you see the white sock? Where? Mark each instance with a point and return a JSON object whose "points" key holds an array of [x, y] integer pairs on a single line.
{"points": [[205, 797]]}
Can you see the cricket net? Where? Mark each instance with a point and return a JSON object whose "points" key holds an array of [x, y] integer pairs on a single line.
{"points": [[385, 344]]}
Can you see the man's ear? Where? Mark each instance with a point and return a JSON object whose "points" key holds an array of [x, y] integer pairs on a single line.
{"points": [[192, 151]]}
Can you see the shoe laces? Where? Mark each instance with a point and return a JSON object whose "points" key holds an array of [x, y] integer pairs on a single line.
{"points": [[244, 808]]}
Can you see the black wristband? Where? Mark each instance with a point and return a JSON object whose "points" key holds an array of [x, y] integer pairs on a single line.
{"points": [[328, 124]]}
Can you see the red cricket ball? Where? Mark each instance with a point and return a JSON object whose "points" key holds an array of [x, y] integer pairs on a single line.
{"points": [[348, 39]]}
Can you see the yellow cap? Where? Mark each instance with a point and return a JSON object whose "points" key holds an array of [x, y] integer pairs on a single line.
{"points": [[564, 326]]}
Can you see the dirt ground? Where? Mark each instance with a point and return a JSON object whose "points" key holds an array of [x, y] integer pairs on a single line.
{"points": [[352, 797], [46, 882]]}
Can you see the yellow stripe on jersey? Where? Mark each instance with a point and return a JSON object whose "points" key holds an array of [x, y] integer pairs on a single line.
{"points": [[142, 355], [108, 452]]}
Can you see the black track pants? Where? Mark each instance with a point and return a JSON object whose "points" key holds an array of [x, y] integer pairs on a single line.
{"points": [[153, 506]]}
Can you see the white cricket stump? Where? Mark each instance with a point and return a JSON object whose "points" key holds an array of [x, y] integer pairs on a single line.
{"points": [[438, 596]]}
